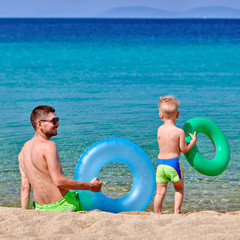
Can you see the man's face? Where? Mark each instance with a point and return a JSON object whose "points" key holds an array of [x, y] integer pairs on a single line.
{"points": [[49, 125]]}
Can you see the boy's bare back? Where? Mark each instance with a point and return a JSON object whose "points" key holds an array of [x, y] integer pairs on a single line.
{"points": [[171, 141]]}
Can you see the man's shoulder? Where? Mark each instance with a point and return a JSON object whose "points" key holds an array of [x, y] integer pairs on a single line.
{"points": [[43, 144], [45, 147], [48, 144], [25, 146]]}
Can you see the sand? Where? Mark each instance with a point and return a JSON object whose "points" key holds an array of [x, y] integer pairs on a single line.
{"points": [[16, 223]]}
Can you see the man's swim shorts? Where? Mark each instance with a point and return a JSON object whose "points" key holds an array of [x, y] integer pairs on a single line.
{"points": [[169, 170], [69, 203]]}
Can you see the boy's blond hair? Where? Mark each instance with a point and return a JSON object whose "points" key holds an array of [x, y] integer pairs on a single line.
{"points": [[168, 106]]}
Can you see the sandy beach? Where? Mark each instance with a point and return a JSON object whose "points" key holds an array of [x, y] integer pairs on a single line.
{"points": [[16, 223]]}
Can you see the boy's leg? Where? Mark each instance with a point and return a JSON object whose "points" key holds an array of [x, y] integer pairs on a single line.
{"points": [[160, 194], [179, 190]]}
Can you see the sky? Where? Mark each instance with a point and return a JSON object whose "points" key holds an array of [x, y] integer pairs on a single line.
{"points": [[92, 8]]}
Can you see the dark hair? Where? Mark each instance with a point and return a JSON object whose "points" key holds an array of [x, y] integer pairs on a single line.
{"points": [[38, 112]]}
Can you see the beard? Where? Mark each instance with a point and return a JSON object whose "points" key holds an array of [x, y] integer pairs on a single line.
{"points": [[51, 133]]}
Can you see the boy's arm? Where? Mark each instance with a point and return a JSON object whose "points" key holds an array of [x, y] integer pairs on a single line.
{"points": [[184, 146]]}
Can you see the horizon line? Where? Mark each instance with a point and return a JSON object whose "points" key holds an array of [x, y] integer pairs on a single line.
{"points": [[204, 18]]}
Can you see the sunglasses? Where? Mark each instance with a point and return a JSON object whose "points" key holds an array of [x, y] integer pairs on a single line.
{"points": [[53, 120]]}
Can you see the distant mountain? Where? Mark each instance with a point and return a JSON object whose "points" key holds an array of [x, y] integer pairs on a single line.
{"points": [[137, 11], [146, 12]]}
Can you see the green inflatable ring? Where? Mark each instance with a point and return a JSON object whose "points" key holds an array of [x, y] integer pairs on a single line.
{"points": [[201, 164]]}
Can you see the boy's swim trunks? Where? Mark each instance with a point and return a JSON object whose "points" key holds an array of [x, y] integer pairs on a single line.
{"points": [[168, 170], [69, 203]]}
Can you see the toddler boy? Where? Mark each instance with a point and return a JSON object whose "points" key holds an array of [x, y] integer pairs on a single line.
{"points": [[171, 141]]}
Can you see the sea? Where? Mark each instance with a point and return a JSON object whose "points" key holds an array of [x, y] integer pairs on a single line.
{"points": [[104, 77]]}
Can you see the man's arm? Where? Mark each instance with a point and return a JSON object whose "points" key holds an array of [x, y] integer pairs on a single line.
{"points": [[184, 146], [55, 171], [25, 188]]}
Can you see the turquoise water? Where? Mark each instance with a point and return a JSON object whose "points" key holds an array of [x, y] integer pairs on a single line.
{"points": [[106, 82]]}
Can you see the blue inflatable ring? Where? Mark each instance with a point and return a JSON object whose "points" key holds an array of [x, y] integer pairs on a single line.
{"points": [[126, 152]]}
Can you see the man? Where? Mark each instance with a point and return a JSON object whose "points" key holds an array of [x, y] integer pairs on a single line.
{"points": [[41, 169]]}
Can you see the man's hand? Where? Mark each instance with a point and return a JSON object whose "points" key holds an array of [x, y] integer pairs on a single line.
{"points": [[96, 185]]}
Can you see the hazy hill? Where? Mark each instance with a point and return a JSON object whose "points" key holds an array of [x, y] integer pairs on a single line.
{"points": [[135, 12], [146, 12]]}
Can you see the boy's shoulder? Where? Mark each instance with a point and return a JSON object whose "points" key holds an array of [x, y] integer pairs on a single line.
{"points": [[173, 127], [164, 129], [178, 130]]}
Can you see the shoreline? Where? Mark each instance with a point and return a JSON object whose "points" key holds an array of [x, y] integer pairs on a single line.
{"points": [[17, 223], [168, 208]]}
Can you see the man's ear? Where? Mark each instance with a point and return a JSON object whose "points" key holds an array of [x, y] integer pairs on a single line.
{"points": [[177, 115], [39, 124]]}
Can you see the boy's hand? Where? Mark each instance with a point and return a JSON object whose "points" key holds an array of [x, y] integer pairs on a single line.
{"points": [[194, 136], [96, 185]]}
